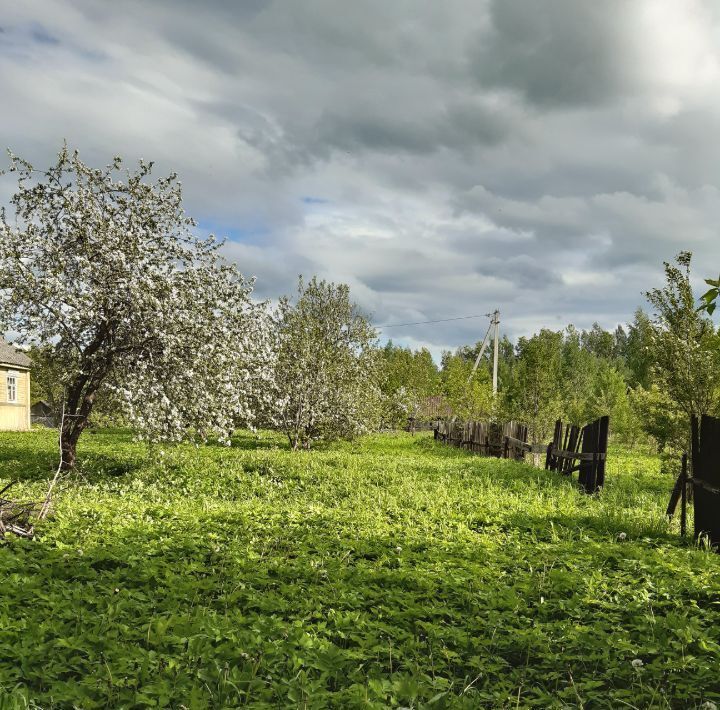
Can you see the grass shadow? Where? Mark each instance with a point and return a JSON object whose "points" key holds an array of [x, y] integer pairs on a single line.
{"points": [[36, 459], [304, 602], [19, 463]]}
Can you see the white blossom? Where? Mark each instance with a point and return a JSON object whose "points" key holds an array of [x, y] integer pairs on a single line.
{"points": [[138, 308], [326, 370]]}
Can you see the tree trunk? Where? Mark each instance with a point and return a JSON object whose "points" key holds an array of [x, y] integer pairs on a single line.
{"points": [[69, 436], [68, 448], [80, 401]]}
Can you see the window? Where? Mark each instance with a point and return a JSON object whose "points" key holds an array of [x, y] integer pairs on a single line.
{"points": [[12, 388]]}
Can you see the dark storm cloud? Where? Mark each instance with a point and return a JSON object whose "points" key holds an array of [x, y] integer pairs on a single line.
{"points": [[556, 52], [523, 271], [541, 157], [460, 125]]}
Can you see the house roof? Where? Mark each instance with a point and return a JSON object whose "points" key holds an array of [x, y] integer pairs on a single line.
{"points": [[12, 356]]}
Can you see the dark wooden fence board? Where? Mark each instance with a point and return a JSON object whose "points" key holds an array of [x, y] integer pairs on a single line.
{"points": [[706, 477], [705, 480]]}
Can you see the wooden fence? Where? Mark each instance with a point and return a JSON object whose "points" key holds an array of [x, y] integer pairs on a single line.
{"points": [[580, 449], [573, 448], [704, 481], [486, 438]]}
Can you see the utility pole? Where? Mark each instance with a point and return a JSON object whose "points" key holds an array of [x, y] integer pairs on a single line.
{"points": [[496, 323], [494, 327], [480, 354]]}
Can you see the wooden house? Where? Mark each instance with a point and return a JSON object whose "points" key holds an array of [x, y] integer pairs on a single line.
{"points": [[14, 388]]}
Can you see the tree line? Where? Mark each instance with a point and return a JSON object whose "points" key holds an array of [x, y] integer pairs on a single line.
{"points": [[131, 316], [649, 376]]}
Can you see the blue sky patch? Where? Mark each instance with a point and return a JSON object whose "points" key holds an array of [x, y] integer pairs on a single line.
{"points": [[40, 35]]}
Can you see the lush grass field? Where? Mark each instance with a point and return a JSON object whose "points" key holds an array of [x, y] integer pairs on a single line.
{"points": [[388, 572]]}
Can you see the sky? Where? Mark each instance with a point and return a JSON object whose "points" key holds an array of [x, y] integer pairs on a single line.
{"points": [[442, 158]]}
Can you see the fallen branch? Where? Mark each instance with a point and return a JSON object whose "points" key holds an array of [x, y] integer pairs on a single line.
{"points": [[16, 517], [9, 485]]}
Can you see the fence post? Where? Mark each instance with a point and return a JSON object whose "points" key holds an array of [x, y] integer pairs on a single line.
{"points": [[604, 430], [683, 496], [706, 478], [587, 476]]}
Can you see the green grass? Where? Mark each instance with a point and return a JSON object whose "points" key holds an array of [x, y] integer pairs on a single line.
{"points": [[386, 572]]}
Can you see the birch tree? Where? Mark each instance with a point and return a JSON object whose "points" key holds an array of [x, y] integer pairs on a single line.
{"points": [[327, 366], [106, 267]]}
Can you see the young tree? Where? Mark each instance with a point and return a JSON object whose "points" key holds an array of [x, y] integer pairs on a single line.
{"points": [[599, 342], [684, 345], [534, 396], [103, 265], [638, 350], [609, 396], [660, 418], [327, 366], [578, 372], [407, 379], [469, 398], [620, 342]]}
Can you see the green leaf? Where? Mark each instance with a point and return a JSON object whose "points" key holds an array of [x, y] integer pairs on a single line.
{"points": [[709, 296]]}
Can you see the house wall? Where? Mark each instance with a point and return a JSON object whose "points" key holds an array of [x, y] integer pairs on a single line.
{"points": [[15, 416]]}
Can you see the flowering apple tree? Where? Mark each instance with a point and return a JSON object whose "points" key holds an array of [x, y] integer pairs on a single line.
{"points": [[105, 266], [327, 366]]}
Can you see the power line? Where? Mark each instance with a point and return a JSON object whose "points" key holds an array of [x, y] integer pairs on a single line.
{"points": [[426, 322]]}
